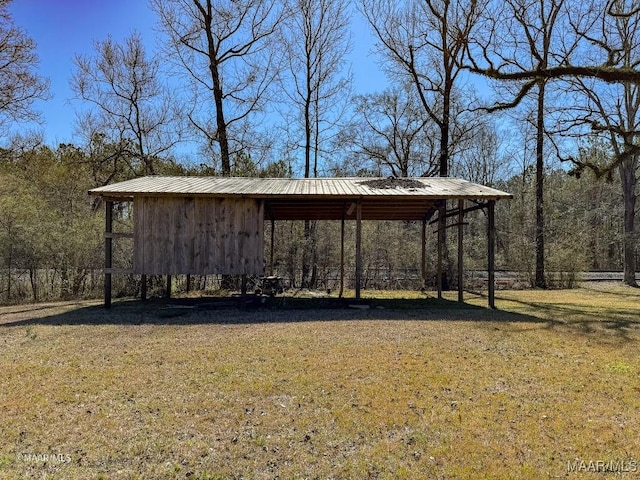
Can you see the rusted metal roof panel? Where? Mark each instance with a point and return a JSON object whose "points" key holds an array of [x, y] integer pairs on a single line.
{"points": [[343, 188]]}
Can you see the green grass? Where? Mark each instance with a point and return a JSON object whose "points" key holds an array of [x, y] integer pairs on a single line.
{"points": [[418, 389]]}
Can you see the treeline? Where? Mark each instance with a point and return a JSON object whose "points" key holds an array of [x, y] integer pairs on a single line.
{"points": [[583, 224], [51, 232], [496, 92]]}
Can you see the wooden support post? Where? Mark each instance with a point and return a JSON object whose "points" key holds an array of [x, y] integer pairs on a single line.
{"points": [[168, 291], [491, 252], [358, 247], [460, 250], [273, 228], [188, 282], [442, 210], [341, 257], [423, 256], [143, 288], [108, 252]]}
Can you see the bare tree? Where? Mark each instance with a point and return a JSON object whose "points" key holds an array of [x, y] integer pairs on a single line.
{"points": [[316, 39], [612, 111], [130, 105], [601, 63], [392, 131], [526, 36], [425, 41], [20, 85], [581, 51], [480, 159], [222, 46]]}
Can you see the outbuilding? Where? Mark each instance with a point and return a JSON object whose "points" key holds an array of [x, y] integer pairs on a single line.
{"points": [[215, 225]]}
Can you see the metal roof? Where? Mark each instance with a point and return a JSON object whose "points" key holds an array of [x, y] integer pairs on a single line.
{"points": [[315, 198], [432, 187]]}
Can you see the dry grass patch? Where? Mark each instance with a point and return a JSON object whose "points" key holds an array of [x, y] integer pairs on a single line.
{"points": [[145, 391]]}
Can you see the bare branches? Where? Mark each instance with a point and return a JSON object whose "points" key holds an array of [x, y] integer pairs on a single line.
{"points": [[316, 41], [129, 103], [612, 110], [620, 9], [20, 85], [562, 40], [394, 133], [222, 47], [425, 42], [605, 73]]}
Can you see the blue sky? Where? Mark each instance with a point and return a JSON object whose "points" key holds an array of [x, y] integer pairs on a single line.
{"points": [[64, 28]]}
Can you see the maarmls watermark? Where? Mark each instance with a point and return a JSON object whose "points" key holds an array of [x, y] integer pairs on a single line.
{"points": [[603, 466], [44, 457]]}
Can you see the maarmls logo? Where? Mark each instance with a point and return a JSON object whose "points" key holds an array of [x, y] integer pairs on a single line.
{"points": [[601, 466], [44, 457]]}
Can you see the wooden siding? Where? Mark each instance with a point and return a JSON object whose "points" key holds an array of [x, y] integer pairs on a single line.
{"points": [[198, 235]]}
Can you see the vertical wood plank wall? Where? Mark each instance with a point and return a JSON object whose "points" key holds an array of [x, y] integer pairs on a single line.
{"points": [[198, 235]]}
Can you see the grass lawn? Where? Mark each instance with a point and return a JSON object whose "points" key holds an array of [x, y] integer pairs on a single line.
{"points": [[547, 386]]}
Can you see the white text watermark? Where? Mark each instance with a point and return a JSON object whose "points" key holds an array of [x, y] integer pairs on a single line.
{"points": [[603, 466], [44, 457]]}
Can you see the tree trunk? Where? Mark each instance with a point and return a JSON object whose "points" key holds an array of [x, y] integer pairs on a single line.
{"points": [[313, 281], [33, 278], [540, 281], [9, 265], [443, 166], [311, 130], [307, 131], [309, 256], [444, 170], [221, 124], [629, 184]]}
